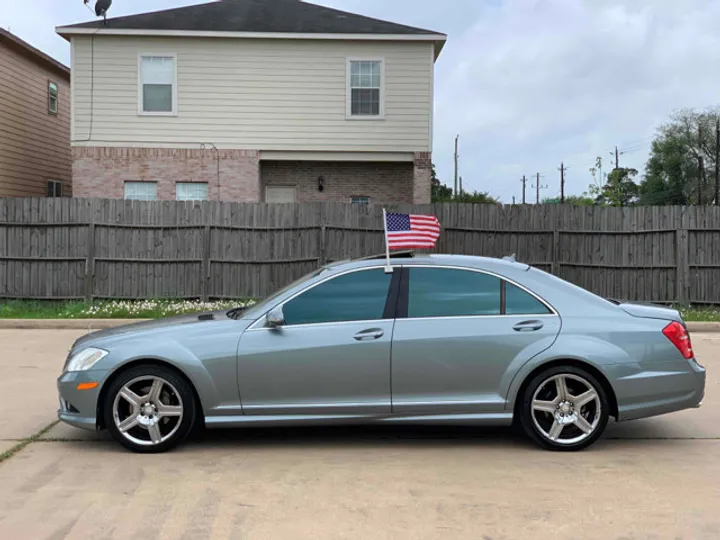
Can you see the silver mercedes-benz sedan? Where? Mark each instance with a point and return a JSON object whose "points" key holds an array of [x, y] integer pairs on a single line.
{"points": [[434, 340]]}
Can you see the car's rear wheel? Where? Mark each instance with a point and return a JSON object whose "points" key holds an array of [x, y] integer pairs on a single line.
{"points": [[564, 408], [149, 409]]}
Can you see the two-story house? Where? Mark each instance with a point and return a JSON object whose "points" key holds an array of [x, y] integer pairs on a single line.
{"points": [[252, 101], [34, 121]]}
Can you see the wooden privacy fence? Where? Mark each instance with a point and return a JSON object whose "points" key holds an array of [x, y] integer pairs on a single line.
{"points": [[75, 248]]}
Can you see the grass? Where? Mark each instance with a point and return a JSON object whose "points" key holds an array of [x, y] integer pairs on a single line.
{"points": [[154, 309], [24, 442], [701, 314], [110, 309]]}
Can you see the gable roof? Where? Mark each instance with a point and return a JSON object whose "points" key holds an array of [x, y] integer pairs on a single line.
{"points": [[255, 18], [271, 16], [36, 55]]}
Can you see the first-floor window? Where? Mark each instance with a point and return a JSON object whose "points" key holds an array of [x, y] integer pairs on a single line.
{"points": [[141, 191], [362, 200], [191, 191], [54, 188]]}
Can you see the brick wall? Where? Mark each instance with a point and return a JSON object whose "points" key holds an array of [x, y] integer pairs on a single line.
{"points": [[102, 172], [422, 178], [384, 183]]}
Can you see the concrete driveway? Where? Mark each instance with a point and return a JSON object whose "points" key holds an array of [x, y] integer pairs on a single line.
{"points": [[657, 478]]}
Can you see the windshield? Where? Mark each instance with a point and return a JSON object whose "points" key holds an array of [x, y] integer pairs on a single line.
{"points": [[255, 311]]}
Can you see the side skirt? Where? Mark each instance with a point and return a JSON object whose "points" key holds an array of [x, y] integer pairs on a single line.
{"points": [[489, 419]]}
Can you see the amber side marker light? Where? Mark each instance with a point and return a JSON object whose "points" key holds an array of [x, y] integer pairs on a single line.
{"points": [[87, 385]]}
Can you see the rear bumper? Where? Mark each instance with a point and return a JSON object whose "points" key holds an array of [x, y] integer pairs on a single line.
{"points": [[666, 387], [79, 407]]}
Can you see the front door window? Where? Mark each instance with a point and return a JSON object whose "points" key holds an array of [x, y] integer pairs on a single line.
{"points": [[359, 296]]}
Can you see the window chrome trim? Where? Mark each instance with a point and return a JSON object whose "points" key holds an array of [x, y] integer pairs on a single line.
{"points": [[261, 319], [553, 311]]}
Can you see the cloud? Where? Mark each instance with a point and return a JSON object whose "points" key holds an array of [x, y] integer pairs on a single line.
{"points": [[526, 83]]}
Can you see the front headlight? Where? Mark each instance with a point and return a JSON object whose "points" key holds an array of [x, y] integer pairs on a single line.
{"points": [[85, 359]]}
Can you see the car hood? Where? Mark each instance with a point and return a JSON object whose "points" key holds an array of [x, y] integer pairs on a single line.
{"points": [[647, 311], [148, 326]]}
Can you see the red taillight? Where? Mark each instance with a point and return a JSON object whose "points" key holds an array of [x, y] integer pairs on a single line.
{"points": [[679, 336]]}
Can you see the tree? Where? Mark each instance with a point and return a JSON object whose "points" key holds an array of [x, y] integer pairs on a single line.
{"points": [[672, 174], [442, 194], [439, 191], [574, 200], [620, 189]]}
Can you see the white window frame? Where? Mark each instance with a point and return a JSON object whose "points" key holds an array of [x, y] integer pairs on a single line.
{"points": [[52, 111], [348, 97], [141, 111], [125, 184], [207, 190]]}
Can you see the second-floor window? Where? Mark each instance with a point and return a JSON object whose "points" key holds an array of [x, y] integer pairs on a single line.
{"points": [[158, 88], [52, 97], [365, 88]]}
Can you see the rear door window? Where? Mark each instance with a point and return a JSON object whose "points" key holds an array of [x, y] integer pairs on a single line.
{"points": [[444, 292], [520, 302]]}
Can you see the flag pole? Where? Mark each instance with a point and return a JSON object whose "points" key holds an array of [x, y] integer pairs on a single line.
{"points": [[388, 267]]}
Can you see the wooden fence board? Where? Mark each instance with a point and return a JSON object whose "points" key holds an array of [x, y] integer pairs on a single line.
{"points": [[75, 248]]}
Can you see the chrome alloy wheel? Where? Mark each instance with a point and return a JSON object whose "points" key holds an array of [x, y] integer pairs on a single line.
{"points": [[566, 409], [148, 410]]}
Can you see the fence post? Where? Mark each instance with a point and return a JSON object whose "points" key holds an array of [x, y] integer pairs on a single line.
{"points": [[205, 270], [556, 252], [555, 268], [682, 261], [321, 240], [90, 262]]}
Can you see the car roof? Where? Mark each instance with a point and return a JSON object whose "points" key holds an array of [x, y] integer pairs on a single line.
{"points": [[468, 261]]}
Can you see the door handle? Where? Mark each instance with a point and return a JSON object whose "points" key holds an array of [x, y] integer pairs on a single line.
{"points": [[528, 326], [367, 335]]}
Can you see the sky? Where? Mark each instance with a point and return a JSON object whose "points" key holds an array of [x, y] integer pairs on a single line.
{"points": [[526, 84]]}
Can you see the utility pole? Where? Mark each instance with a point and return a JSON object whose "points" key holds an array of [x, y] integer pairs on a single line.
{"points": [[461, 187], [524, 183], [562, 183], [513, 200], [457, 140], [701, 169], [717, 162], [538, 187], [617, 158]]}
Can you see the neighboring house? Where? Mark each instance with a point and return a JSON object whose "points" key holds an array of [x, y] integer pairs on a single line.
{"points": [[35, 155], [253, 101]]}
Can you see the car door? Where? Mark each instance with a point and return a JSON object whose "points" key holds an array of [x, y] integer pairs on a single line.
{"points": [[458, 333], [331, 355]]}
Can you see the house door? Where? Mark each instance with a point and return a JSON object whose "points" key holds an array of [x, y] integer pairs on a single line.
{"points": [[280, 194]]}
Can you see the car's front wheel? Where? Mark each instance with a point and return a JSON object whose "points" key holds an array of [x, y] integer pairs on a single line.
{"points": [[564, 408], [149, 409]]}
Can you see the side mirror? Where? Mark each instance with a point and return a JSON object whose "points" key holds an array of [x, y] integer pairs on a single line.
{"points": [[275, 318]]}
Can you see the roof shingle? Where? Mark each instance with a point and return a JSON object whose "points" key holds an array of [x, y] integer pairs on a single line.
{"points": [[258, 16]]}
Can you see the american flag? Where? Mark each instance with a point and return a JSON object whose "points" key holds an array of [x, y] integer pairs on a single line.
{"points": [[408, 231]]}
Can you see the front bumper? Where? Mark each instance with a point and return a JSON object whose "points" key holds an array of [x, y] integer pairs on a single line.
{"points": [[79, 407], [658, 388]]}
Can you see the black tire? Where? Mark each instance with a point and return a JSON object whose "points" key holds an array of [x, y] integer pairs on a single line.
{"points": [[530, 426], [178, 431]]}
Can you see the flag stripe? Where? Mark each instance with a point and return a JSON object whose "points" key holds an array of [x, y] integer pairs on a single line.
{"points": [[412, 231]]}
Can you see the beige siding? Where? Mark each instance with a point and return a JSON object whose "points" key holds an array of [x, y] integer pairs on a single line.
{"points": [[255, 94], [34, 145]]}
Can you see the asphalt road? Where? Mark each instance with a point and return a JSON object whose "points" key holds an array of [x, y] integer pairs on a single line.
{"points": [[657, 478]]}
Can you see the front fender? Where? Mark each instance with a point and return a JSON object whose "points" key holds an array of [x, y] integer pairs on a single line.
{"points": [[169, 352], [587, 349]]}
